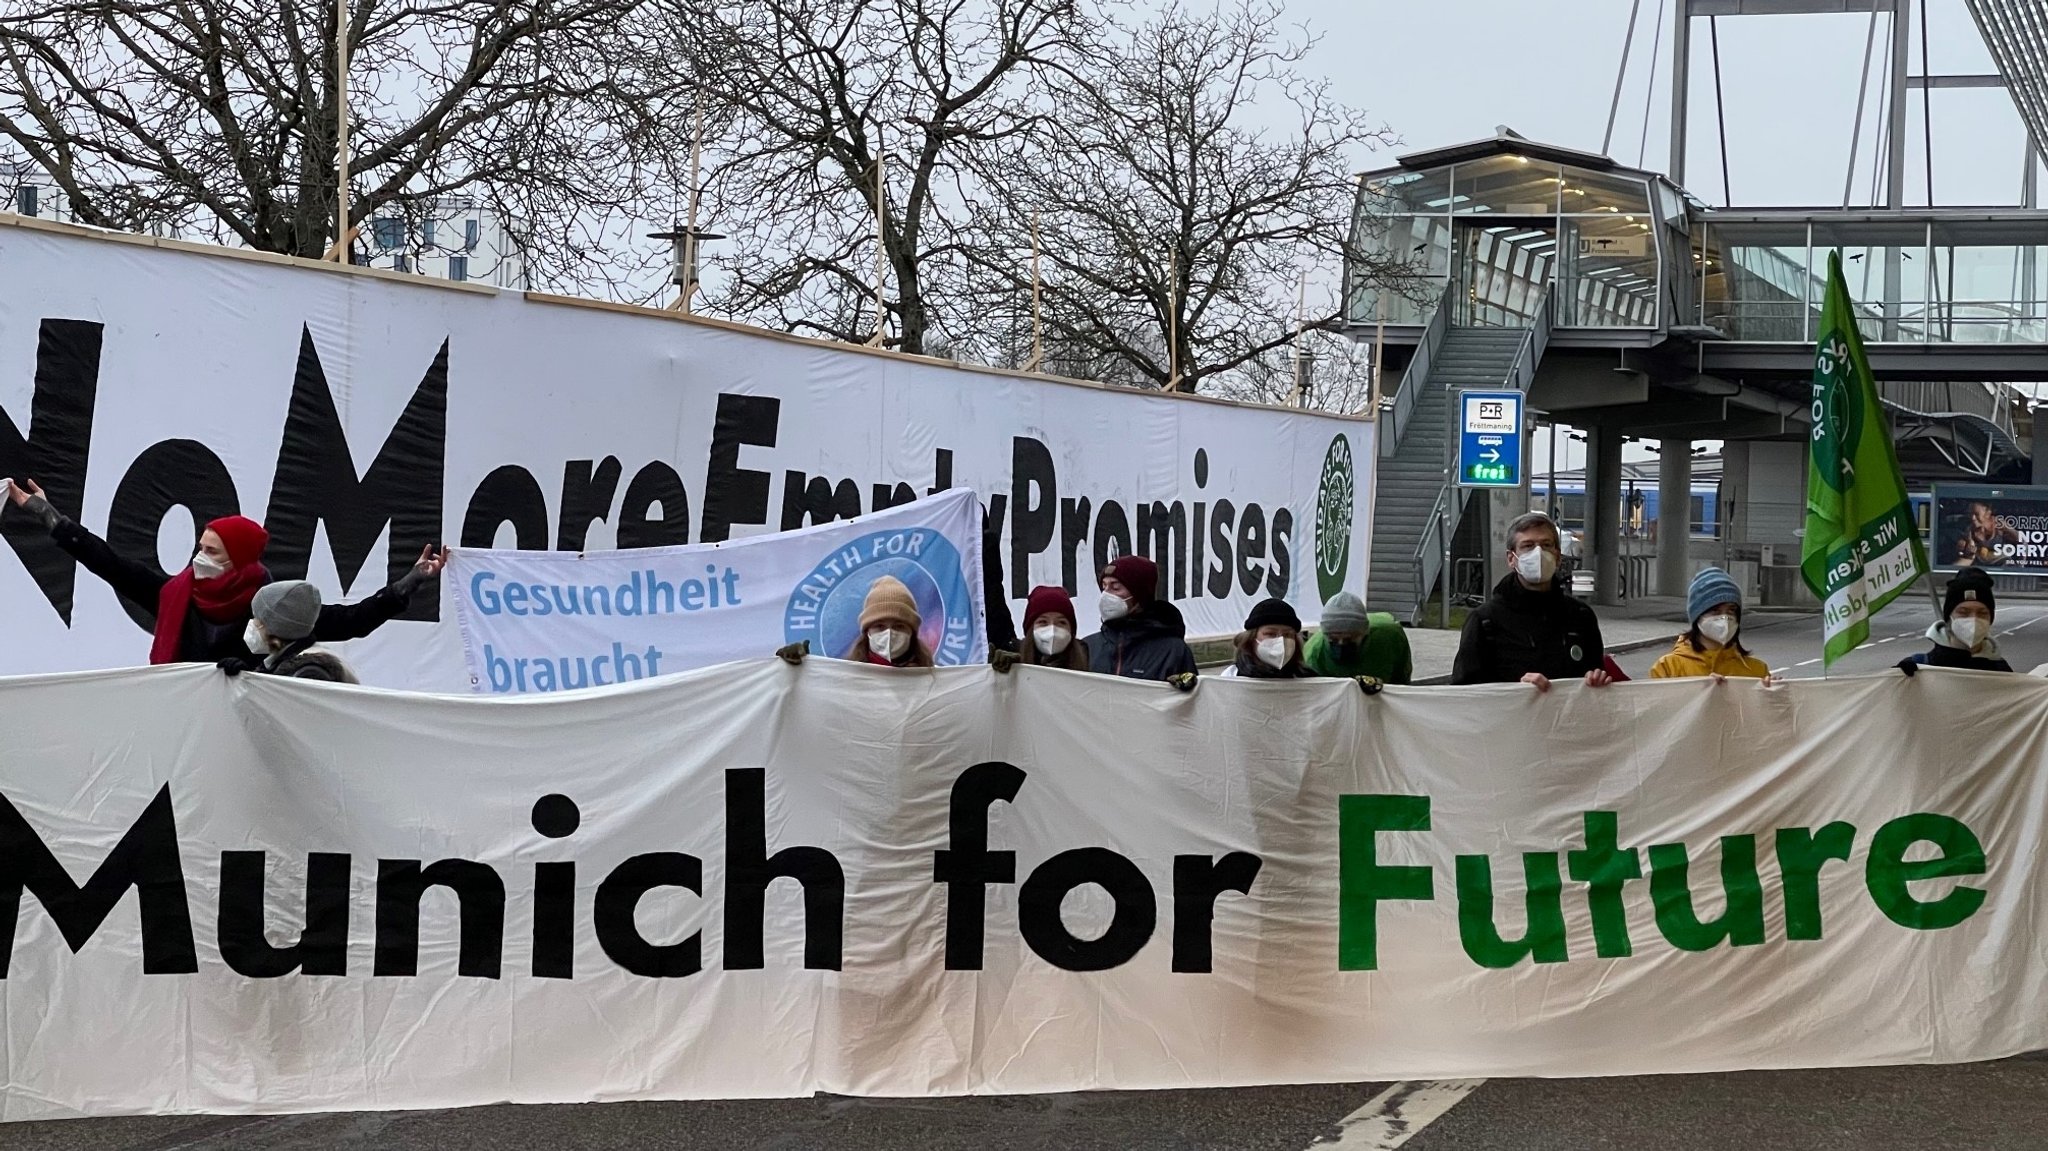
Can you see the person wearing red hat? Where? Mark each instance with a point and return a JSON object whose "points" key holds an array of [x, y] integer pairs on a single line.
{"points": [[1048, 639], [1142, 636], [199, 615]]}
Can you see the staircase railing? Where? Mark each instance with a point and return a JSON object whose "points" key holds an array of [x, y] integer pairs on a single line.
{"points": [[1432, 551], [1416, 374]]}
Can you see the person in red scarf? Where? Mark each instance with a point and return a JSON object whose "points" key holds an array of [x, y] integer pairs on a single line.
{"points": [[201, 612]]}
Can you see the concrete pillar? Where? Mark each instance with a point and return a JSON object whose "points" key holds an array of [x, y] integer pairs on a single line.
{"points": [[1674, 515], [1603, 511]]}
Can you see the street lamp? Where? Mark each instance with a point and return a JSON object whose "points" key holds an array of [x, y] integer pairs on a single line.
{"points": [[685, 244]]}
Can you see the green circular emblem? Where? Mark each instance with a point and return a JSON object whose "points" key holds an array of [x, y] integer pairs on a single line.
{"points": [[1334, 497], [1837, 414]]}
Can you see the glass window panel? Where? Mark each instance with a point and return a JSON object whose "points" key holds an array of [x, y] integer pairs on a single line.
{"points": [[1586, 191], [1508, 185], [1428, 191]]}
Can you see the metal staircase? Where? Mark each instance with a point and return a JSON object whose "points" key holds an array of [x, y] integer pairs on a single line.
{"points": [[1416, 509]]}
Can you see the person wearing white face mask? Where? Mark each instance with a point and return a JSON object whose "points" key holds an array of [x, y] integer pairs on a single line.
{"points": [[280, 636], [1714, 604], [1962, 637], [1270, 645], [1048, 639], [1531, 631], [1142, 636], [888, 628]]}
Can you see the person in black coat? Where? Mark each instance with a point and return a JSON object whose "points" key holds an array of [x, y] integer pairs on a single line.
{"points": [[1142, 636], [1962, 637], [1531, 630], [209, 600], [1269, 647]]}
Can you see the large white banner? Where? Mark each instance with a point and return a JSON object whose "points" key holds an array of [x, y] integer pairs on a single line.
{"points": [[363, 415], [762, 880], [557, 621]]}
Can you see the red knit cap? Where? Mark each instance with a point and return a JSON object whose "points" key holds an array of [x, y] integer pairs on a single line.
{"points": [[1138, 575], [1048, 599], [243, 537]]}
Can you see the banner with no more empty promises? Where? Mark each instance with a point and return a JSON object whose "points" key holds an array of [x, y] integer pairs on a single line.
{"points": [[260, 895], [555, 621], [150, 386]]}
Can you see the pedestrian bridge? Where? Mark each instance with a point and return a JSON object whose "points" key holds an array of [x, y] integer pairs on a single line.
{"points": [[1630, 310]]}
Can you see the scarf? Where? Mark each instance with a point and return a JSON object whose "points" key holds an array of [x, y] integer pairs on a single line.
{"points": [[219, 600]]}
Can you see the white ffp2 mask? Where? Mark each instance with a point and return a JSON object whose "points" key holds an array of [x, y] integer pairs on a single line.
{"points": [[1536, 565], [1275, 652], [254, 639], [1968, 631], [1114, 606], [1051, 640], [888, 643], [206, 567], [1719, 628]]}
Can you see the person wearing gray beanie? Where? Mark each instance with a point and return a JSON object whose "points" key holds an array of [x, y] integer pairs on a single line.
{"points": [[280, 636], [1351, 643]]}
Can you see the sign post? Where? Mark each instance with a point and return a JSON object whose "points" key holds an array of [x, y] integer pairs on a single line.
{"points": [[1489, 440]]}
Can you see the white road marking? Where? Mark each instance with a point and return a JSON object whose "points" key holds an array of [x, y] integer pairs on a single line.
{"points": [[1395, 1115]]}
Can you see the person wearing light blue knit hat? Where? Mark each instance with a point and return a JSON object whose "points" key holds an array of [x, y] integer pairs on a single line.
{"points": [[1714, 605]]}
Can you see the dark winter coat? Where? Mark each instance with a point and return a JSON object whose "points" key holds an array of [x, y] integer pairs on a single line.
{"points": [[1518, 631], [1251, 667], [301, 660], [1147, 644], [201, 640]]}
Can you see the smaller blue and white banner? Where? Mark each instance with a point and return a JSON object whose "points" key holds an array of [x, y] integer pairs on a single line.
{"points": [[537, 621]]}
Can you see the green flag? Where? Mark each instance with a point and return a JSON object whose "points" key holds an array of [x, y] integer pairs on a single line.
{"points": [[1862, 547]]}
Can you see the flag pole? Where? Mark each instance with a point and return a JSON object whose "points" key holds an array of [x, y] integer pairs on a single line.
{"points": [[690, 226], [1037, 324], [1173, 320], [881, 248], [342, 232]]}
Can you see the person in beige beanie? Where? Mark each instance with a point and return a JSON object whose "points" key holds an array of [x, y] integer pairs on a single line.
{"points": [[888, 627]]}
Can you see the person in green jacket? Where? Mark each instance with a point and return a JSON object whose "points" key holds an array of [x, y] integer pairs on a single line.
{"points": [[1350, 642]]}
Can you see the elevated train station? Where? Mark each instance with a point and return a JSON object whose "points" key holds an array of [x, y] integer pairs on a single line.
{"points": [[1628, 309]]}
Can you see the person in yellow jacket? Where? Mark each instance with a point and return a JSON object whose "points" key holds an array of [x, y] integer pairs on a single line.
{"points": [[1714, 604]]}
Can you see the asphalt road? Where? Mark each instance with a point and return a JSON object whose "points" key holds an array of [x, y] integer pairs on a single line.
{"points": [[1999, 1106], [1792, 647]]}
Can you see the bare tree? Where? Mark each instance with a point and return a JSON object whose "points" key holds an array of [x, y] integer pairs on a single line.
{"points": [[218, 116], [1175, 224], [822, 92]]}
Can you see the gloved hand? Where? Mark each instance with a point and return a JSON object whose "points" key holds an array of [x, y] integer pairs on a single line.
{"points": [[1003, 659], [237, 664], [1185, 681], [1910, 666], [793, 653], [1369, 684]]}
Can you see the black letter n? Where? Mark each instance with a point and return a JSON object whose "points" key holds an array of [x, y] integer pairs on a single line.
{"points": [[54, 452], [146, 859], [316, 480]]}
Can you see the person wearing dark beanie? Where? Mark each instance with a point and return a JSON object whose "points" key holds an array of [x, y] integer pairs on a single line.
{"points": [[1048, 639], [1142, 636], [1962, 637], [1269, 647]]}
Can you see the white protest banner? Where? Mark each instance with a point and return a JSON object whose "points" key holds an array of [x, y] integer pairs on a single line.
{"points": [[556, 621], [360, 415], [760, 879]]}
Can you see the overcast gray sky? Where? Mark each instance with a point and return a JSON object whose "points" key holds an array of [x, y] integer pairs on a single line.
{"points": [[1445, 71]]}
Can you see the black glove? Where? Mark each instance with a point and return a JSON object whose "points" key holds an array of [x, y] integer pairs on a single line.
{"points": [[1185, 681], [1369, 684], [1003, 659], [237, 664], [1910, 666], [793, 653], [40, 508]]}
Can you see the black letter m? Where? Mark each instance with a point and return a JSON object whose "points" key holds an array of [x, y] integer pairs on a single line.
{"points": [[316, 480], [146, 859]]}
